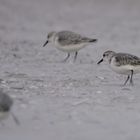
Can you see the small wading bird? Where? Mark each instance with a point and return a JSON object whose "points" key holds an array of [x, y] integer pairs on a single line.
{"points": [[122, 63], [6, 103], [69, 42]]}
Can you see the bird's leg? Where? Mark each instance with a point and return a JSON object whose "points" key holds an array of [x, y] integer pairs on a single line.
{"points": [[131, 78], [15, 118], [75, 56], [128, 77], [66, 57]]}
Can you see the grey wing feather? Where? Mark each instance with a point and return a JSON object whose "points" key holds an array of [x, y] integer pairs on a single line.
{"points": [[69, 38], [125, 59]]}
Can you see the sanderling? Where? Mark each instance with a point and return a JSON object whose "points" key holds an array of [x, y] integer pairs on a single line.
{"points": [[6, 103], [68, 41], [122, 63]]}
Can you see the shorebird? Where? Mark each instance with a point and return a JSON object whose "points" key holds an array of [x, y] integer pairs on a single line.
{"points": [[6, 103], [68, 41], [122, 63]]}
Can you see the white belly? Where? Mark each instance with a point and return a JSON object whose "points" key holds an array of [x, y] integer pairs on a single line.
{"points": [[126, 69], [70, 48]]}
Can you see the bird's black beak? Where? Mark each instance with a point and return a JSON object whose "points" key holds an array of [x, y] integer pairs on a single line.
{"points": [[45, 43], [95, 40], [100, 61]]}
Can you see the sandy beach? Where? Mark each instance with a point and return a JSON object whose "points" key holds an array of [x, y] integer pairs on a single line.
{"points": [[68, 101]]}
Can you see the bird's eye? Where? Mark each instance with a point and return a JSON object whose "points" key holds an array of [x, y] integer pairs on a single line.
{"points": [[103, 55]]}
